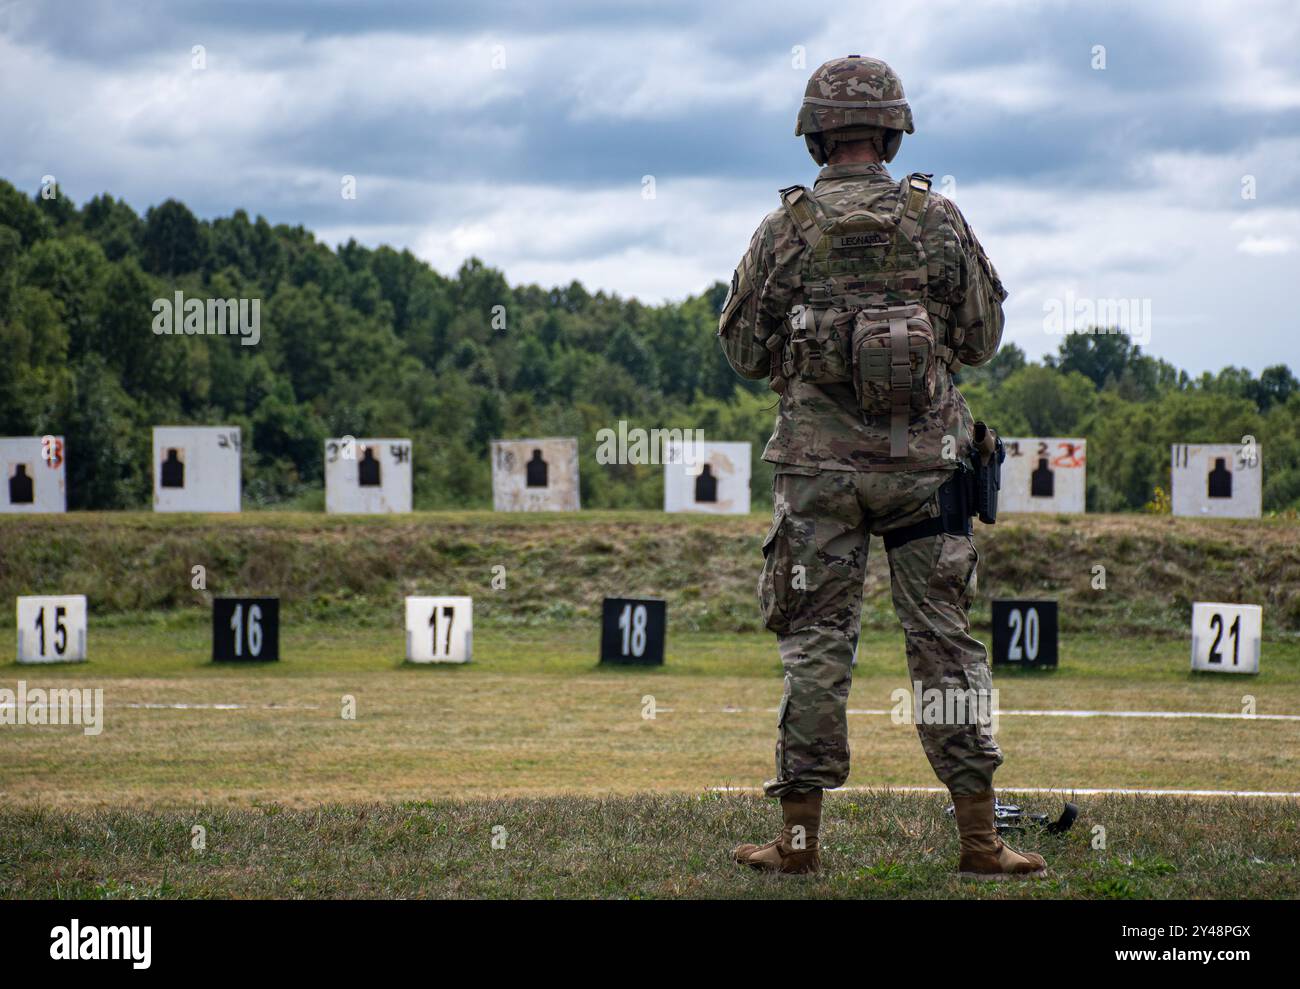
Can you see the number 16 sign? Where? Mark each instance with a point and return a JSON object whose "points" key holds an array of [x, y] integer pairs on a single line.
{"points": [[1226, 637], [245, 630], [439, 630]]}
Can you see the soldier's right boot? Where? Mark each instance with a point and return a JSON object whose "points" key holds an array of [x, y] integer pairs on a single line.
{"points": [[983, 855], [783, 854]]}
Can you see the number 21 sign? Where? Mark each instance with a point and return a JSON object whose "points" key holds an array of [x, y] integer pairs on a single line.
{"points": [[1226, 637]]}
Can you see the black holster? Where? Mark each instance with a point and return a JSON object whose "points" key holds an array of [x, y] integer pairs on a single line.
{"points": [[971, 490], [986, 464]]}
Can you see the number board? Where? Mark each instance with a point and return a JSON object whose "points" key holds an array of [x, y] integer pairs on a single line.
{"points": [[52, 629], [439, 629], [245, 630], [196, 469], [367, 476], [632, 631], [33, 474], [1024, 633], [1044, 474], [1226, 637]]}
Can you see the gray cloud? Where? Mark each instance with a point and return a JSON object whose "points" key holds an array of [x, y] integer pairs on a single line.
{"points": [[537, 168]]}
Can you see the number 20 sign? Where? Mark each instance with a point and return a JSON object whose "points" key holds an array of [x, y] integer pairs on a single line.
{"points": [[1226, 637], [1024, 633], [439, 630], [632, 631]]}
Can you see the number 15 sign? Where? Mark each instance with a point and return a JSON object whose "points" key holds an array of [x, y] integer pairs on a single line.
{"points": [[1226, 637]]}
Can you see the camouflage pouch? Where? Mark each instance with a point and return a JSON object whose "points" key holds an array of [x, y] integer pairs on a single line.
{"points": [[894, 367], [819, 345], [744, 352]]}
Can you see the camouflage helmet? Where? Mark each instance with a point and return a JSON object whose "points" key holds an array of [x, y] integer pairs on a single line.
{"points": [[853, 96]]}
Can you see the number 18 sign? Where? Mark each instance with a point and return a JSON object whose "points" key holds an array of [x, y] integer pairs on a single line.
{"points": [[1226, 637], [439, 629], [632, 631]]}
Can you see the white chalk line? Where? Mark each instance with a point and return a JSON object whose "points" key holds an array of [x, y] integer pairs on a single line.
{"points": [[1056, 790], [152, 706], [883, 712]]}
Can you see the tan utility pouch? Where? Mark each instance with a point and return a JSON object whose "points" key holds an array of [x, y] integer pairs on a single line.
{"points": [[894, 369], [819, 345]]}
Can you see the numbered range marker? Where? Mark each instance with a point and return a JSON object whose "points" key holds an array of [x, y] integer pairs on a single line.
{"points": [[535, 475], [1226, 637], [1024, 633], [32, 474], [632, 631], [1223, 480], [1044, 474], [439, 630], [367, 476], [52, 629], [245, 630], [707, 477], [196, 469]]}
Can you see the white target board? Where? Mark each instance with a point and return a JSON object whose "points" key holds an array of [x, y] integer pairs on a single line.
{"points": [[1226, 637], [52, 628], [535, 475], [707, 477], [1044, 474], [1218, 480], [439, 629], [370, 476], [196, 469], [33, 472]]}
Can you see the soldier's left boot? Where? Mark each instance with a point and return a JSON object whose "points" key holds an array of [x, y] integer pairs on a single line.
{"points": [[983, 855], [803, 815]]}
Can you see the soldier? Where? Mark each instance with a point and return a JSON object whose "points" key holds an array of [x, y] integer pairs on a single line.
{"points": [[859, 299]]}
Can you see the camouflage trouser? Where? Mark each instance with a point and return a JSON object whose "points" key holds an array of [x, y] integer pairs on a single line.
{"points": [[814, 561]]}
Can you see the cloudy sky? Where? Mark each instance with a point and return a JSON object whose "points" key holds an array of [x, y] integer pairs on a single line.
{"points": [[1144, 155]]}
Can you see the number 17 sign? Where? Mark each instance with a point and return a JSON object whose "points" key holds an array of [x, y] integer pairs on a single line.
{"points": [[439, 630], [1226, 637]]}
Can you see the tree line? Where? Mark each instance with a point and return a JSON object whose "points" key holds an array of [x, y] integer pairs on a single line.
{"points": [[365, 342]]}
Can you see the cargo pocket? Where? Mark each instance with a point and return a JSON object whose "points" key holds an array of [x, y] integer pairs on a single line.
{"points": [[774, 582], [952, 578]]}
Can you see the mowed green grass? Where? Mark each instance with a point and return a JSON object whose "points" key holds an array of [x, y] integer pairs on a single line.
{"points": [[595, 798], [875, 845], [535, 714]]}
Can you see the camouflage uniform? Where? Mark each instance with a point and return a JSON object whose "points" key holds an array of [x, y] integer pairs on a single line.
{"points": [[836, 481]]}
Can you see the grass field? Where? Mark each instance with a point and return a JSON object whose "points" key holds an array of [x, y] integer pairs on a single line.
{"points": [[647, 846], [535, 736]]}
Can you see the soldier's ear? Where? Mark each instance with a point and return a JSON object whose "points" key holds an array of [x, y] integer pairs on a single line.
{"points": [[893, 141]]}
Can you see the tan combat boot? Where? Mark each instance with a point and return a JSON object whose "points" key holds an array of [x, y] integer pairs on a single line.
{"points": [[781, 854], [983, 855]]}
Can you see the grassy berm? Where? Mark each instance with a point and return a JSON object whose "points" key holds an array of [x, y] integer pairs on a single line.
{"points": [[558, 567], [877, 845]]}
